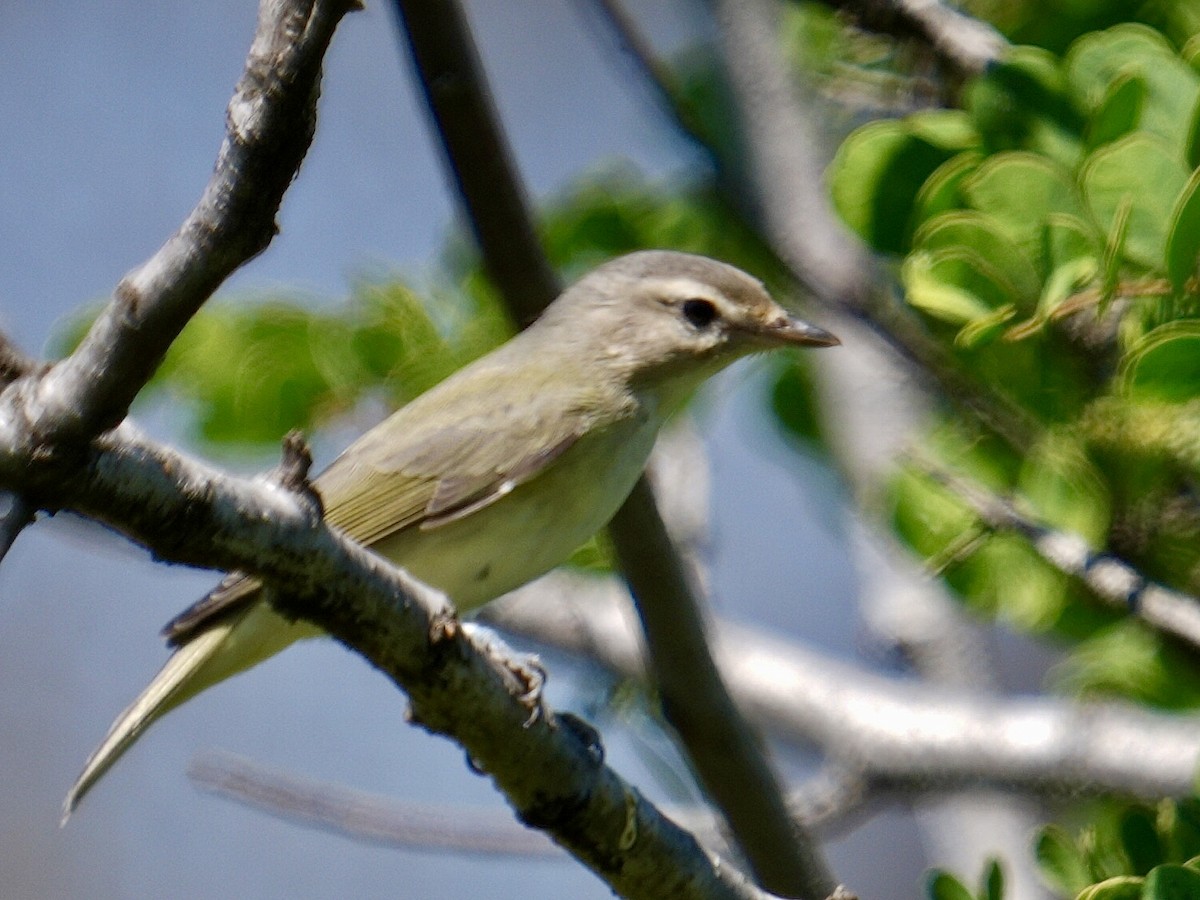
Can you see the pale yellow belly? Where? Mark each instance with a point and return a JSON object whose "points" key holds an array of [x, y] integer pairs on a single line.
{"points": [[532, 529]]}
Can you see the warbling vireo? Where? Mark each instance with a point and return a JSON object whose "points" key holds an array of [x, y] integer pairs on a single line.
{"points": [[496, 475]]}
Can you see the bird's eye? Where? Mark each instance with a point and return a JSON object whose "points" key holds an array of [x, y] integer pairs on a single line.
{"points": [[700, 313]]}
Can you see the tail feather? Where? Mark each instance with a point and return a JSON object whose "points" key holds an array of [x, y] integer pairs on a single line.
{"points": [[230, 646]]}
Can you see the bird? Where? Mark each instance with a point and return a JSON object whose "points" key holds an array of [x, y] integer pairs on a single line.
{"points": [[497, 474]]}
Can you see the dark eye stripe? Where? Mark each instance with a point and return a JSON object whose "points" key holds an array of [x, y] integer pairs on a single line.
{"points": [[701, 313]]}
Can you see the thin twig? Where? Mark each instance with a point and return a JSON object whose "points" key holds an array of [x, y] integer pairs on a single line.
{"points": [[831, 801], [479, 156], [699, 707], [1109, 579], [364, 816]]}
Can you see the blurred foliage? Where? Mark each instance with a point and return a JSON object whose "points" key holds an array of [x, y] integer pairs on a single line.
{"points": [[941, 885], [1048, 232], [1127, 851]]}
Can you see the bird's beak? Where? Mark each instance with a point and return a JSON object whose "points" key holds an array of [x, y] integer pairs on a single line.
{"points": [[788, 330]]}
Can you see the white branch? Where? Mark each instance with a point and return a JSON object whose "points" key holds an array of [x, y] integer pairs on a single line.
{"points": [[906, 734]]}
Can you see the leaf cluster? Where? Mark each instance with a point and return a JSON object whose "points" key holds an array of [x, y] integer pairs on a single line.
{"points": [[1048, 234]]}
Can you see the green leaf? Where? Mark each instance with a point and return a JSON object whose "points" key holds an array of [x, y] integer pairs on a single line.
{"points": [[948, 129], [1122, 887], [1165, 364], [952, 285], [1114, 250], [1192, 150], [1065, 281], [1119, 110], [941, 885], [1139, 171], [1023, 102], [1183, 234], [993, 882], [1018, 191], [1060, 861], [941, 190], [875, 177], [1184, 829], [986, 328], [1172, 883], [977, 233], [1172, 86], [1140, 840]]}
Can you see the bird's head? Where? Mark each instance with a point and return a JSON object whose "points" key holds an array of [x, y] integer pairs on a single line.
{"points": [[670, 318]]}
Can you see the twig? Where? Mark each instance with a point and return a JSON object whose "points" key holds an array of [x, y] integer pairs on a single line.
{"points": [[829, 801], [269, 126], [965, 44], [1110, 579], [363, 816], [740, 779], [699, 707]]}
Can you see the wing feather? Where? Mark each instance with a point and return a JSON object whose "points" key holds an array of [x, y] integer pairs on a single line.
{"points": [[432, 462]]}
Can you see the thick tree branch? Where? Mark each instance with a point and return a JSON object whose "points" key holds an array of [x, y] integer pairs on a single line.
{"points": [[459, 684], [782, 857], [269, 126]]}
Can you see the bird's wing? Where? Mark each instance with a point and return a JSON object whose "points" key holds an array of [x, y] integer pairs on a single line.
{"points": [[407, 473]]}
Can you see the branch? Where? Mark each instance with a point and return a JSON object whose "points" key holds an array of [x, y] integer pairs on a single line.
{"points": [[830, 800], [459, 684], [966, 45], [698, 705], [739, 779], [269, 126], [900, 733], [364, 816], [479, 157], [1110, 579]]}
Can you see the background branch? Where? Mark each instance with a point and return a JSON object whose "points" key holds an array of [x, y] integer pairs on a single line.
{"points": [[909, 735], [1115, 582], [964, 44], [740, 781]]}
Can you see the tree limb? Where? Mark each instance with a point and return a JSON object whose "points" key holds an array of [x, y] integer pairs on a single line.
{"points": [[740, 780], [902, 734], [459, 683]]}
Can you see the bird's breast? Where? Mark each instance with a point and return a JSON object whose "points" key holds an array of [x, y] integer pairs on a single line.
{"points": [[536, 526]]}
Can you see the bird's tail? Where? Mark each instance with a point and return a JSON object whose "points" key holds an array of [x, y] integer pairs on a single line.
{"points": [[230, 645]]}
